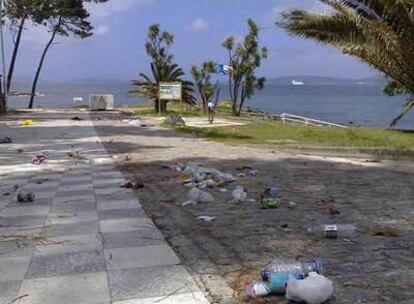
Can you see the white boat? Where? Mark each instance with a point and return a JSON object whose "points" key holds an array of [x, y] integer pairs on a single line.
{"points": [[297, 83], [77, 99]]}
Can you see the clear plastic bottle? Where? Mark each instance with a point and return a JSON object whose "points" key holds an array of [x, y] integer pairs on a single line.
{"points": [[257, 290], [277, 275], [333, 231], [301, 267]]}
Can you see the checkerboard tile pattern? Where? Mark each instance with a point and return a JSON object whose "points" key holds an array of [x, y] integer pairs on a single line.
{"points": [[86, 240]]}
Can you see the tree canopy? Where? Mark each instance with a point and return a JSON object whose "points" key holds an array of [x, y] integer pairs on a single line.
{"points": [[163, 69], [244, 59], [378, 32]]}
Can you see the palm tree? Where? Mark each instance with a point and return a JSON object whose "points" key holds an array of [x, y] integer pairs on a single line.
{"points": [[163, 69], [378, 32], [147, 86]]}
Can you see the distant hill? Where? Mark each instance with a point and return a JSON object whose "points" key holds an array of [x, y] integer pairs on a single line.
{"points": [[318, 80], [22, 81]]}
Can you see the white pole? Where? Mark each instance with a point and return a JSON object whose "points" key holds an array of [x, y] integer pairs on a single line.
{"points": [[3, 56]]}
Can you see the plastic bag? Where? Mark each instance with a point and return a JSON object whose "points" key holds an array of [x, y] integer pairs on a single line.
{"points": [[315, 289], [199, 196]]}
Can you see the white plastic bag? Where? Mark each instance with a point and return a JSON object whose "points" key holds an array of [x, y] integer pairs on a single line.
{"points": [[199, 196], [315, 289], [239, 194]]}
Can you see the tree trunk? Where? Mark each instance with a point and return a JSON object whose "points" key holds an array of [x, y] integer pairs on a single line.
{"points": [[163, 105], [2, 100], [157, 105], [15, 51], [39, 68], [2, 104]]}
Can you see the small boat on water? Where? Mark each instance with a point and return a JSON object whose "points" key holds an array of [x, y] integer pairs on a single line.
{"points": [[297, 83], [77, 99]]}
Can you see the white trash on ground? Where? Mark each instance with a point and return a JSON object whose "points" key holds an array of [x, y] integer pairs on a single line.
{"points": [[199, 196], [239, 195], [206, 218], [315, 289]]}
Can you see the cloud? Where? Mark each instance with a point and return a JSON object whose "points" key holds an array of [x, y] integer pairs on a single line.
{"points": [[37, 36], [200, 25], [102, 30], [107, 9], [285, 5]]}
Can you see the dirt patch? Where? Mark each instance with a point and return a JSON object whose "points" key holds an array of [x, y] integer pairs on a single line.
{"points": [[226, 253]]}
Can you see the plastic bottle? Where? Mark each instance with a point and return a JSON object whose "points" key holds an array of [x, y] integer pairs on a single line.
{"points": [[333, 231], [302, 267], [257, 290], [277, 281]]}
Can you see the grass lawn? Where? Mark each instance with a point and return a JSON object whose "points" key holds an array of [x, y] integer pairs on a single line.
{"points": [[268, 132], [276, 133]]}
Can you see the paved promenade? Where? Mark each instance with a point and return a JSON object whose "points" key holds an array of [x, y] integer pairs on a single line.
{"points": [[84, 239]]}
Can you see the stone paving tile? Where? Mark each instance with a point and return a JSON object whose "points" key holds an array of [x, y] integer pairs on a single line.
{"points": [[185, 298], [122, 196], [153, 282], [74, 199], [118, 204], [91, 288], [98, 183], [65, 264], [65, 244], [42, 187], [121, 214], [70, 229], [9, 291], [24, 211], [76, 180], [43, 195], [16, 248], [115, 173], [13, 268], [112, 191], [69, 217], [126, 225], [72, 204], [142, 237], [140, 257], [37, 202], [74, 193], [22, 221], [76, 187], [73, 207]]}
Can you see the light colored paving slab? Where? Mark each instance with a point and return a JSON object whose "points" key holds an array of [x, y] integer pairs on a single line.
{"points": [[65, 244], [88, 240], [12, 269], [112, 191], [86, 289], [185, 298], [69, 217], [26, 210], [121, 204], [74, 199], [124, 225], [140, 257]]}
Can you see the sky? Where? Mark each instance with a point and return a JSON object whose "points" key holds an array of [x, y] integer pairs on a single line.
{"points": [[116, 50]]}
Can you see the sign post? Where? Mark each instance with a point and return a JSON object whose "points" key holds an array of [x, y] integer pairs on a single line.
{"points": [[171, 91]]}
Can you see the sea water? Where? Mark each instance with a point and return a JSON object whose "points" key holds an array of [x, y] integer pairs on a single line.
{"points": [[363, 105]]}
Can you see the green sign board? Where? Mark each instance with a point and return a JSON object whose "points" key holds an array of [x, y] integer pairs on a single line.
{"points": [[170, 91]]}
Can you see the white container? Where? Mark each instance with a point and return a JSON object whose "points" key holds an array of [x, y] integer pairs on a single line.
{"points": [[101, 102]]}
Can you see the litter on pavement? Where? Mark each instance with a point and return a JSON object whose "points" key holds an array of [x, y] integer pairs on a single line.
{"points": [[25, 197], [5, 140], [39, 160], [206, 218], [314, 289], [27, 122]]}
